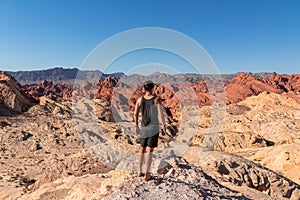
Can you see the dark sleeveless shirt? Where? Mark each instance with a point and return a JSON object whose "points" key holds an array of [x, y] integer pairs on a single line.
{"points": [[149, 112]]}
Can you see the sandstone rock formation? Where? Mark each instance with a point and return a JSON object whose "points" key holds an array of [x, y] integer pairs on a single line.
{"points": [[245, 85], [239, 171], [257, 125], [12, 96], [49, 89]]}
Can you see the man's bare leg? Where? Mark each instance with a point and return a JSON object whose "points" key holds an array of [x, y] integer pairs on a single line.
{"points": [[148, 162], [141, 160]]}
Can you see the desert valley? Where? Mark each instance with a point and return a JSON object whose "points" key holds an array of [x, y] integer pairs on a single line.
{"points": [[70, 136]]}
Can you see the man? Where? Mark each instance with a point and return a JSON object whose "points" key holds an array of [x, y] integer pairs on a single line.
{"points": [[151, 124]]}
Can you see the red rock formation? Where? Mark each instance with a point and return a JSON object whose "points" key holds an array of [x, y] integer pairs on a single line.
{"points": [[105, 88], [245, 85], [237, 89], [101, 89], [47, 88]]}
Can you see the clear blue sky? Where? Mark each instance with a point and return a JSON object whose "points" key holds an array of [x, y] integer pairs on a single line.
{"points": [[241, 35]]}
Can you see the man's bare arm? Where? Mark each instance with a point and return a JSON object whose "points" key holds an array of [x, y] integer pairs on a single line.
{"points": [[137, 111], [161, 116]]}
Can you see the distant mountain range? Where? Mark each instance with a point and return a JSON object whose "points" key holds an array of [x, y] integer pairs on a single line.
{"points": [[69, 75], [58, 75]]}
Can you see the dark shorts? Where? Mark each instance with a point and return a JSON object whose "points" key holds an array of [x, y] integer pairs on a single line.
{"points": [[150, 141]]}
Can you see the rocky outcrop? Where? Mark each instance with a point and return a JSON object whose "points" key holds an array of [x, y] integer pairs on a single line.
{"points": [[182, 181], [105, 88], [57, 109], [58, 91], [12, 96], [256, 126], [103, 110], [100, 89], [233, 141], [245, 85], [230, 169]]}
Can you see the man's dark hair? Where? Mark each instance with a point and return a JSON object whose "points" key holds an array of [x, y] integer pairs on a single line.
{"points": [[148, 85]]}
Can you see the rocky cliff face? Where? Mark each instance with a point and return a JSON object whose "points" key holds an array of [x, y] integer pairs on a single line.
{"points": [[12, 95]]}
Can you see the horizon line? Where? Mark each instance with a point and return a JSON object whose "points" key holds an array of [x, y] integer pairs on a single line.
{"points": [[115, 72]]}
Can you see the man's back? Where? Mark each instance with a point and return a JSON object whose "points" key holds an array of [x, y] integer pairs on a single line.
{"points": [[150, 123], [146, 108]]}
